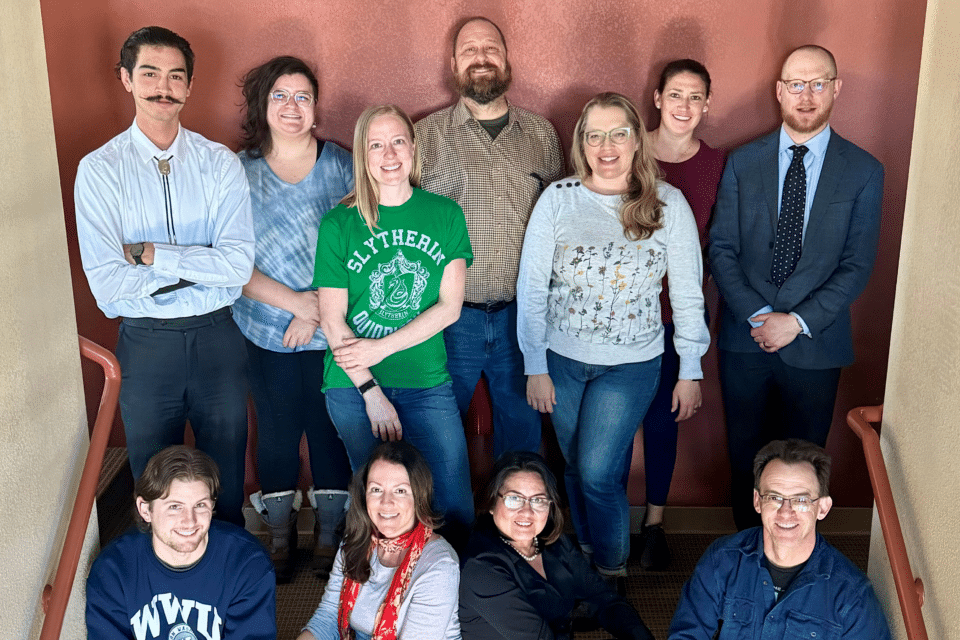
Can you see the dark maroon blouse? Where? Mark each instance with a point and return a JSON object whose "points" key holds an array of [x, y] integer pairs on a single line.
{"points": [[698, 179]]}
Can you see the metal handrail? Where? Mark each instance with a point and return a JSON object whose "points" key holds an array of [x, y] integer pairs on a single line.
{"points": [[56, 596], [909, 591]]}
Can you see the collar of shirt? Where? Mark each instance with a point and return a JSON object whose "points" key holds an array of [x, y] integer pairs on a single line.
{"points": [[816, 146], [461, 115], [147, 151]]}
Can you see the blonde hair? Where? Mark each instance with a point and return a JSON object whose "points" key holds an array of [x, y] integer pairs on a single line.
{"points": [[642, 210], [366, 193]]}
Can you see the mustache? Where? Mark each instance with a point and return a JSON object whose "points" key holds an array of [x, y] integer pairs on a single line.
{"points": [[482, 67], [167, 98]]}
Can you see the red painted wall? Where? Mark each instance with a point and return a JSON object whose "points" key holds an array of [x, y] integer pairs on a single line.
{"points": [[562, 53]]}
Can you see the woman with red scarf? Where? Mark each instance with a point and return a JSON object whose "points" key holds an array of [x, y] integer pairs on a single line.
{"points": [[393, 579]]}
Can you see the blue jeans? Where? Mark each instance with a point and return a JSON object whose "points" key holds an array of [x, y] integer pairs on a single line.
{"points": [[596, 416], [660, 429], [481, 342], [286, 392], [171, 375], [431, 422]]}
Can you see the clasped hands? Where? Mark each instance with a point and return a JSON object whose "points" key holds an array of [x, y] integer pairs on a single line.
{"points": [[306, 320], [777, 331]]}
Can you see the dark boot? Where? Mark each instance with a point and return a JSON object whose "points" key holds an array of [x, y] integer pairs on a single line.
{"points": [[279, 512], [656, 553]]}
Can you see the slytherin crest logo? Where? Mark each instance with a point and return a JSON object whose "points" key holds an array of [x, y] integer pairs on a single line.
{"points": [[396, 288]]}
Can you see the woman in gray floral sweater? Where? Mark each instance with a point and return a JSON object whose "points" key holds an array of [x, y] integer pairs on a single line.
{"points": [[597, 246]]}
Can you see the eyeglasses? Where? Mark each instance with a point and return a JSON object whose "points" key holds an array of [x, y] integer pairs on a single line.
{"points": [[800, 504], [513, 502], [816, 86], [301, 98], [597, 138]]}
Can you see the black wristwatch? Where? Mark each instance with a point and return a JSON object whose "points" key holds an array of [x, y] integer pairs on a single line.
{"points": [[366, 386], [136, 251]]}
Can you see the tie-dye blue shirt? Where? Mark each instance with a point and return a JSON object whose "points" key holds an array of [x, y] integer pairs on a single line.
{"points": [[286, 220]]}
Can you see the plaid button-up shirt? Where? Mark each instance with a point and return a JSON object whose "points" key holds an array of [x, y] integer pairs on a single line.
{"points": [[496, 182]]}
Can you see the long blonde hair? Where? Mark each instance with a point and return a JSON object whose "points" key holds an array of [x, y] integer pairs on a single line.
{"points": [[366, 193], [642, 210]]}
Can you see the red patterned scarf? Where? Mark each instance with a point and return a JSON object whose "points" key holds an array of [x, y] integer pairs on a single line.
{"points": [[385, 626]]}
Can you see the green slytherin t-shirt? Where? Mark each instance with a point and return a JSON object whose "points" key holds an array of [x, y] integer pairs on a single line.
{"points": [[391, 276]]}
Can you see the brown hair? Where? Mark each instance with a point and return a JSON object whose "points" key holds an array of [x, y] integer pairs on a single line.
{"points": [[153, 37], [684, 65], [366, 194], [794, 451], [256, 87], [465, 21], [178, 462], [513, 462], [642, 210], [359, 528]]}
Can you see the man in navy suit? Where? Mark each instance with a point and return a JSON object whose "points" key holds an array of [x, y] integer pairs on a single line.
{"points": [[792, 246]]}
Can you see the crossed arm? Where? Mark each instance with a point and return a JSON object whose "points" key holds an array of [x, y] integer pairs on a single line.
{"points": [[356, 355]]}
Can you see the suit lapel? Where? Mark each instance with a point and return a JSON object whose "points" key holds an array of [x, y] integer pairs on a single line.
{"points": [[770, 176], [834, 163]]}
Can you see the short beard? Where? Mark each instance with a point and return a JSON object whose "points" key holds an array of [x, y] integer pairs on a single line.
{"points": [[801, 127], [483, 90]]}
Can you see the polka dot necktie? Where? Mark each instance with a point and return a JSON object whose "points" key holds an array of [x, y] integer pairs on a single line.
{"points": [[786, 247]]}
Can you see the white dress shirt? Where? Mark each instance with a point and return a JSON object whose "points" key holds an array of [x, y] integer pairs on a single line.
{"points": [[198, 217]]}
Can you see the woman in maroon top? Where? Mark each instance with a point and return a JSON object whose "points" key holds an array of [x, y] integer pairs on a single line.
{"points": [[683, 97]]}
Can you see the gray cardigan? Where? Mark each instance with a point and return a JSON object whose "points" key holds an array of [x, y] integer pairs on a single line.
{"points": [[589, 294]]}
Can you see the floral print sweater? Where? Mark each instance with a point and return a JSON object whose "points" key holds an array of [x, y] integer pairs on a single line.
{"points": [[588, 293]]}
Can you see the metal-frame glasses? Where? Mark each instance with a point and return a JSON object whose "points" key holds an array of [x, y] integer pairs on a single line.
{"points": [[800, 504], [300, 98], [514, 501], [817, 85], [620, 135]]}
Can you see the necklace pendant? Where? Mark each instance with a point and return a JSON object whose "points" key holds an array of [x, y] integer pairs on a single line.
{"points": [[164, 166]]}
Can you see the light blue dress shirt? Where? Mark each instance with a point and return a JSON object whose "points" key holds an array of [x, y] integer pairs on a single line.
{"points": [[812, 164], [198, 219]]}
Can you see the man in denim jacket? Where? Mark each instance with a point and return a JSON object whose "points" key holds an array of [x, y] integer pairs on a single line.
{"points": [[781, 580]]}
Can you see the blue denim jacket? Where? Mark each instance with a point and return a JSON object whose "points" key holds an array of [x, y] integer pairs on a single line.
{"points": [[829, 599]]}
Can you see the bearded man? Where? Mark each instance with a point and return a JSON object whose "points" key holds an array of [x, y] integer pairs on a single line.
{"points": [[792, 245], [494, 159]]}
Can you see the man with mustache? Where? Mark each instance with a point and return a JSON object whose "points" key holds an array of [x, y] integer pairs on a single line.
{"points": [[166, 240], [494, 159], [792, 245]]}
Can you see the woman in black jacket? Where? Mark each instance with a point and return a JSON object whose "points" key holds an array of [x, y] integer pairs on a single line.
{"points": [[520, 577]]}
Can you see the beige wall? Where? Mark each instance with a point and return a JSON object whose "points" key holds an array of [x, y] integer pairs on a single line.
{"points": [[43, 433], [919, 434]]}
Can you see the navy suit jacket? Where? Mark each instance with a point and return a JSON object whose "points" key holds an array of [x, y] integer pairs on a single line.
{"points": [[836, 259]]}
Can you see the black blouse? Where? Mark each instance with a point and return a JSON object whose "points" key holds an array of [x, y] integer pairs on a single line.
{"points": [[503, 598]]}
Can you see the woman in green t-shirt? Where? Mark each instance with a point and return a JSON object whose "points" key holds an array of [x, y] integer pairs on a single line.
{"points": [[391, 262]]}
